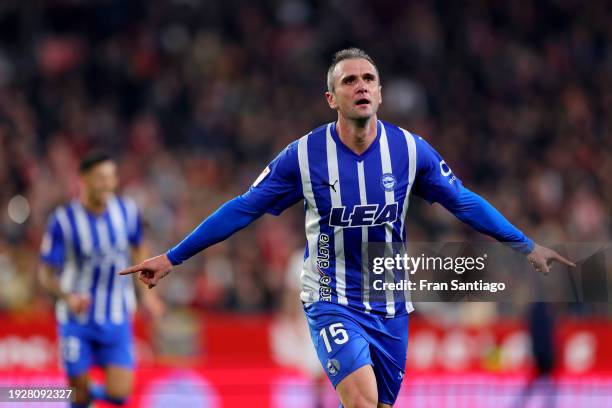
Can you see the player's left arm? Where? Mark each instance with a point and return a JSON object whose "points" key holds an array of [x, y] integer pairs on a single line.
{"points": [[477, 212], [436, 182]]}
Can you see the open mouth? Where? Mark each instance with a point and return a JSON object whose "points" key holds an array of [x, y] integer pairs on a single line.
{"points": [[362, 101]]}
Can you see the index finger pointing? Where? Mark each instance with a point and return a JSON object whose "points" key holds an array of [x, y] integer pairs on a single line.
{"points": [[564, 261], [131, 269]]}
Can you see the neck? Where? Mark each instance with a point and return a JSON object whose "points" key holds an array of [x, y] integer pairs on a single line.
{"points": [[357, 135], [94, 206]]}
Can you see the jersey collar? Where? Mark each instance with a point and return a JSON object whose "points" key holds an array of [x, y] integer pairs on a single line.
{"points": [[345, 148]]}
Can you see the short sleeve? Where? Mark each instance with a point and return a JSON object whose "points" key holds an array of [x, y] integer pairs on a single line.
{"points": [[52, 247], [434, 181], [279, 186]]}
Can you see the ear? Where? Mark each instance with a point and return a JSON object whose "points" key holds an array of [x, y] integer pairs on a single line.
{"points": [[331, 100], [380, 93]]}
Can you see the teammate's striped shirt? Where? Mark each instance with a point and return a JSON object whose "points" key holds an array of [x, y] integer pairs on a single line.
{"points": [[88, 250], [351, 199]]}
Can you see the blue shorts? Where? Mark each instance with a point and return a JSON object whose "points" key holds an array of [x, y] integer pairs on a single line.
{"points": [[84, 345], [347, 339]]}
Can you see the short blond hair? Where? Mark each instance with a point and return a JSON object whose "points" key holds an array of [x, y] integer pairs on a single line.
{"points": [[347, 53]]}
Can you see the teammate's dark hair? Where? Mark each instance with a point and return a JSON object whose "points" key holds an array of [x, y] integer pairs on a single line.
{"points": [[92, 159], [347, 53]]}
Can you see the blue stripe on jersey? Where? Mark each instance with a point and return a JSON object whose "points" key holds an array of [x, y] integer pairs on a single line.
{"points": [[349, 192], [97, 270], [375, 194], [109, 292], [319, 176], [111, 275]]}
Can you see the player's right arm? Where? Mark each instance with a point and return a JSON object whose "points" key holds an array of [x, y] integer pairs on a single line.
{"points": [[52, 254], [277, 188], [47, 277], [436, 182]]}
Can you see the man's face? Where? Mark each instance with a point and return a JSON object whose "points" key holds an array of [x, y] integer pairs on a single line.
{"points": [[357, 92], [100, 182]]}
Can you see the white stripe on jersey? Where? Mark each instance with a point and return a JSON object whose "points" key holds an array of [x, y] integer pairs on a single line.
{"points": [[411, 172], [411, 175], [385, 157], [119, 289], [68, 275], [364, 238], [85, 243], [104, 276], [310, 275], [118, 223], [336, 201]]}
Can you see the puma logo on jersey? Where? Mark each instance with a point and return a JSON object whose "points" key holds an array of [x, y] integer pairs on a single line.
{"points": [[333, 186], [364, 215]]}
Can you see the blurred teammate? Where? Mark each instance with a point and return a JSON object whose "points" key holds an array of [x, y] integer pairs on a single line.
{"points": [[355, 177], [87, 241]]}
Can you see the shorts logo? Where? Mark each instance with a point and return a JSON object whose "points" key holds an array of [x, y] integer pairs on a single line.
{"points": [[333, 366], [387, 182]]}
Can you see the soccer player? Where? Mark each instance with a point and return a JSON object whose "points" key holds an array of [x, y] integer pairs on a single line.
{"points": [[355, 176], [87, 241]]}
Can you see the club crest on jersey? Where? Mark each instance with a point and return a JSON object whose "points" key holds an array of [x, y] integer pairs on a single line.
{"points": [[387, 181], [364, 215]]}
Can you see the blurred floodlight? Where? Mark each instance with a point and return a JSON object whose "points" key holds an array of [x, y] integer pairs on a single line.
{"points": [[405, 97], [18, 209], [293, 12]]}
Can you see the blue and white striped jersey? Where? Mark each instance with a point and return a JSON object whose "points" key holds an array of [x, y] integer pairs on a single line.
{"points": [[351, 199], [88, 250]]}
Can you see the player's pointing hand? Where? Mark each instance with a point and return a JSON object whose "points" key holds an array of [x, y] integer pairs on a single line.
{"points": [[151, 270], [541, 258]]}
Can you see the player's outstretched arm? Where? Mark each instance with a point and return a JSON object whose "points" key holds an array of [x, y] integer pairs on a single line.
{"points": [[475, 211], [47, 277]]}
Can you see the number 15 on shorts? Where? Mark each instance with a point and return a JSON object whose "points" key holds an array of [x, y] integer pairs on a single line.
{"points": [[336, 332]]}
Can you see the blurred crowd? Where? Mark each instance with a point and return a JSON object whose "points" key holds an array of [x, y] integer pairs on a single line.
{"points": [[195, 97]]}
